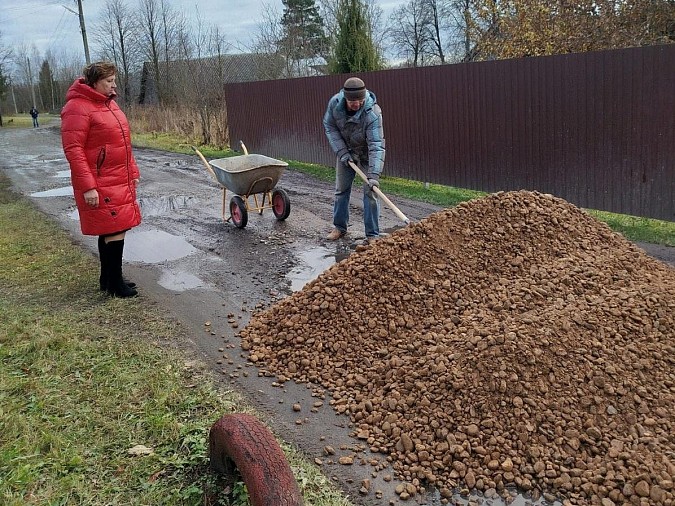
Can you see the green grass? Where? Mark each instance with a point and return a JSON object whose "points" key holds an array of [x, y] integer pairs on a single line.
{"points": [[25, 121], [639, 229], [634, 228], [86, 377]]}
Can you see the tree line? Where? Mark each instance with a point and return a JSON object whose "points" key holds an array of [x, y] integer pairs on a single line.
{"points": [[183, 57]]}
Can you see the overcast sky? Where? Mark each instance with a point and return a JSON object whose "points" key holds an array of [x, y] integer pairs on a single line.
{"points": [[49, 25]]}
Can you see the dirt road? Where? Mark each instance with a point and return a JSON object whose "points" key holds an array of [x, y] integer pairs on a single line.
{"points": [[186, 259], [211, 276]]}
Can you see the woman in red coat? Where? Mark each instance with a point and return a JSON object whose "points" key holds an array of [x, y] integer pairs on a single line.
{"points": [[97, 143]]}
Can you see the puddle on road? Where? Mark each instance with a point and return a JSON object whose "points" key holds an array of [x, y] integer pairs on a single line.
{"points": [[64, 191], [63, 173], [313, 262], [159, 206], [179, 164], [155, 246], [179, 281], [51, 158]]}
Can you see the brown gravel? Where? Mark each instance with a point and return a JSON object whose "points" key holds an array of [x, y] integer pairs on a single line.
{"points": [[512, 340]]}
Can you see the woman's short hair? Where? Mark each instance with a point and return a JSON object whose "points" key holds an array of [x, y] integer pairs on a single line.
{"points": [[96, 71]]}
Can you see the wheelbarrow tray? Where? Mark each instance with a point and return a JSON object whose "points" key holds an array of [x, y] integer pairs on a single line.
{"points": [[248, 174]]}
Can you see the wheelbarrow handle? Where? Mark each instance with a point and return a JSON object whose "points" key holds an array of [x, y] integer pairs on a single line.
{"points": [[379, 193], [206, 163]]}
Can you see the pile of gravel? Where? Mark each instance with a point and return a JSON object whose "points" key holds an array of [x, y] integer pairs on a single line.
{"points": [[511, 341]]}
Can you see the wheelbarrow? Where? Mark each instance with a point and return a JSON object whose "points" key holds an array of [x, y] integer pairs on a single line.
{"points": [[252, 178]]}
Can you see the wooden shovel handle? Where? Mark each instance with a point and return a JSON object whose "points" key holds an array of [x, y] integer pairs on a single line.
{"points": [[379, 193]]}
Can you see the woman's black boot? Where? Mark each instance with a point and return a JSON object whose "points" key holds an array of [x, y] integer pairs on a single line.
{"points": [[103, 256], [116, 285]]}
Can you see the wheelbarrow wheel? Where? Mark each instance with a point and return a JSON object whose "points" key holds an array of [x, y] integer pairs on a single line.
{"points": [[281, 204], [238, 211]]}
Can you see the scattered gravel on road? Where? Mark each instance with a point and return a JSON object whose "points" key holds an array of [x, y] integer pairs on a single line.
{"points": [[513, 340]]}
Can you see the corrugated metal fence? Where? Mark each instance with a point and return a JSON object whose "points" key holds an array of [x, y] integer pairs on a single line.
{"points": [[597, 129]]}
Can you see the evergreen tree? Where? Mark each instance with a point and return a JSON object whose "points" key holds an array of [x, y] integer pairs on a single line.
{"points": [[354, 50], [303, 26], [46, 86]]}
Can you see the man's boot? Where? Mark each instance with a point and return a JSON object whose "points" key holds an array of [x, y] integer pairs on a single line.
{"points": [[116, 285]]}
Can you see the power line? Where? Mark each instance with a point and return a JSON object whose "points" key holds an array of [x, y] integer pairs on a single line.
{"points": [[18, 12], [34, 8], [56, 36]]}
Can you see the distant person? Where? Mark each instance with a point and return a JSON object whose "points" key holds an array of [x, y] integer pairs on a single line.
{"points": [[34, 114], [353, 125], [97, 142]]}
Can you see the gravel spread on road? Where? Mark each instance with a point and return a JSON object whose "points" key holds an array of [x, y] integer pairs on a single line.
{"points": [[511, 341]]}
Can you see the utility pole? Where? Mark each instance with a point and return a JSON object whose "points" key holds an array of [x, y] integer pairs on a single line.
{"points": [[80, 14], [30, 81], [84, 32], [16, 109]]}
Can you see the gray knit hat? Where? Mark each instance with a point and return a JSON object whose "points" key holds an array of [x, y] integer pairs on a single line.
{"points": [[354, 89]]}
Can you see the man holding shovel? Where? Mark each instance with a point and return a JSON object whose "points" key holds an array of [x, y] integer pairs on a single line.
{"points": [[353, 125]]}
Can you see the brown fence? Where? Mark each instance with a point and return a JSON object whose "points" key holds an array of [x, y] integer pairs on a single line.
{"points": [[597, 129]]}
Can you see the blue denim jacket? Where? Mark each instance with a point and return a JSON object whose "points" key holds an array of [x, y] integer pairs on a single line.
{"points": [[360, 135]]}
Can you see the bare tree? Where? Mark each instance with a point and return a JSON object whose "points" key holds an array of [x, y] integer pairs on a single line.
{"points": [[448, 29], [267, 45], [67, 66], [275, 55], [172, 24], [270, 31], [409, 32], [150, 38], [199, 74], [437, 14], [425, 31], [117, 41], [159, 30], [23, 69], [26, 61]]}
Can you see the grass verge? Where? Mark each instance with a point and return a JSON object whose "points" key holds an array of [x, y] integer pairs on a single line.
{"points": [[85, 378], [25, 120], [632, 227]]}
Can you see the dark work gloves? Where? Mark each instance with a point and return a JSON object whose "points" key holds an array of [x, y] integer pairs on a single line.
{"points": [[346, 158]]}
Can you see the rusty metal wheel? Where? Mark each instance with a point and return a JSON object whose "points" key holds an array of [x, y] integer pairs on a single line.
{"points": [[244, 440]]}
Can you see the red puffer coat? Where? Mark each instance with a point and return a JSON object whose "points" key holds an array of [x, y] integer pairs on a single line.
{"points": [[97, 143]]}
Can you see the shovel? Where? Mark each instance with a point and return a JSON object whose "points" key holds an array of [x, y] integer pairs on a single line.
{"points": [[379, 193]]}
